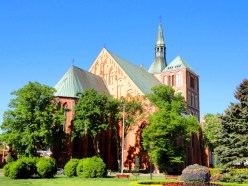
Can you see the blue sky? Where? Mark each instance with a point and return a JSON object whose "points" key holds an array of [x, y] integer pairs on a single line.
{"points": [[40, 39]]}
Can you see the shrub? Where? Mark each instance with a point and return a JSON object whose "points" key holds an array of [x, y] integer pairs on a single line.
{"points": [[17, 170], [6, 169], [196, 174], [46, 167], [70, 168], [236, 175], [215, 175], [80, 167], [94, 168], [30, 166]]}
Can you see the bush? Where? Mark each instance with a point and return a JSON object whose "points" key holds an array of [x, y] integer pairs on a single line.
{"points": [[6, 169], [70, 168], [80, 167], [46, 167], [23, 168], [17, 170], [30, 168], [215, 175], [94, 168], [236, 175], [196, 174]]}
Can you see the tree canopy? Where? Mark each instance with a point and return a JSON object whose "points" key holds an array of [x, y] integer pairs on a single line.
{"points": [[232, 139], [33, 119], [91, 116], [170, 127], [211, 127]]}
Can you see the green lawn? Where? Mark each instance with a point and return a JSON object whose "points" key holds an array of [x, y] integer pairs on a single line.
{"points": [[76, 181]]}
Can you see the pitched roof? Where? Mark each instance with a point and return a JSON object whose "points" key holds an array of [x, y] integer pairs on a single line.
{"points": [[77, 80], [138, 74], [178, 63]]}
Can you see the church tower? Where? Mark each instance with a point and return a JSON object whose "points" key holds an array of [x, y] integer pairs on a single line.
{"points": [[159, 63]]}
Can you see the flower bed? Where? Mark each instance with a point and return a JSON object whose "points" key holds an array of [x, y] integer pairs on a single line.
{"points": [[181, 183]]}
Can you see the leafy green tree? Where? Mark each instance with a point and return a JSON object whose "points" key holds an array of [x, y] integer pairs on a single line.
{"points": [[91, 116], [96, 112], [32, 120], [211, 127], [232, 139], [170, 128], [131, 109]]}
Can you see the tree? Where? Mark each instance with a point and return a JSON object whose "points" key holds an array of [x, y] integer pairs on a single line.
{"points": [[169, 130], [232, 139], [91, 116], [96, 112], [131, 109], [32, 120], [211, 127]]}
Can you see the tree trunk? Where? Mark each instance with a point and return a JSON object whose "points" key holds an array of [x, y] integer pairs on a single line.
{"points": [[96, 145]]}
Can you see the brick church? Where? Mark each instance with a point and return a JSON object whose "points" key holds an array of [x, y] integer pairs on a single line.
{"points": [[116, 76]]}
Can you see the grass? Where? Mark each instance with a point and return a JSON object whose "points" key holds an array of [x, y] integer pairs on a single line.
{"points": [[76, 181]]}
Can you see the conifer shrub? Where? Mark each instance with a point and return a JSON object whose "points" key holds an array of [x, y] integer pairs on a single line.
{"points": [[94, 168], [70, 168], [196, 174], [46, 167]]}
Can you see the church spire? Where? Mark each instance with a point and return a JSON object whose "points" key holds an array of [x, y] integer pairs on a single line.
{"points": [[159, 63]]}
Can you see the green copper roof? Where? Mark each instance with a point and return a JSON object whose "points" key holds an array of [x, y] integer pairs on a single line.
{"points": [[160, 39], [178, 63], [77, 80], [159, 62], [157, 66], [139, 75]]}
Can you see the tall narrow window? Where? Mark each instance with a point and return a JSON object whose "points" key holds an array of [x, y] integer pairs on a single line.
{"points": [[165, 79], [196, 102], [172, 80], [195, 84], [192, 100], [189, 98], [192, 82], [179, 79], [65, 114]]}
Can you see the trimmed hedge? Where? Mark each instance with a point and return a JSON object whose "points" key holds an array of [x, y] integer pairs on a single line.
{"points": [[46, 167], [94, 168], [80, 167], [17, 170], [23, 168], [70, 168]]}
